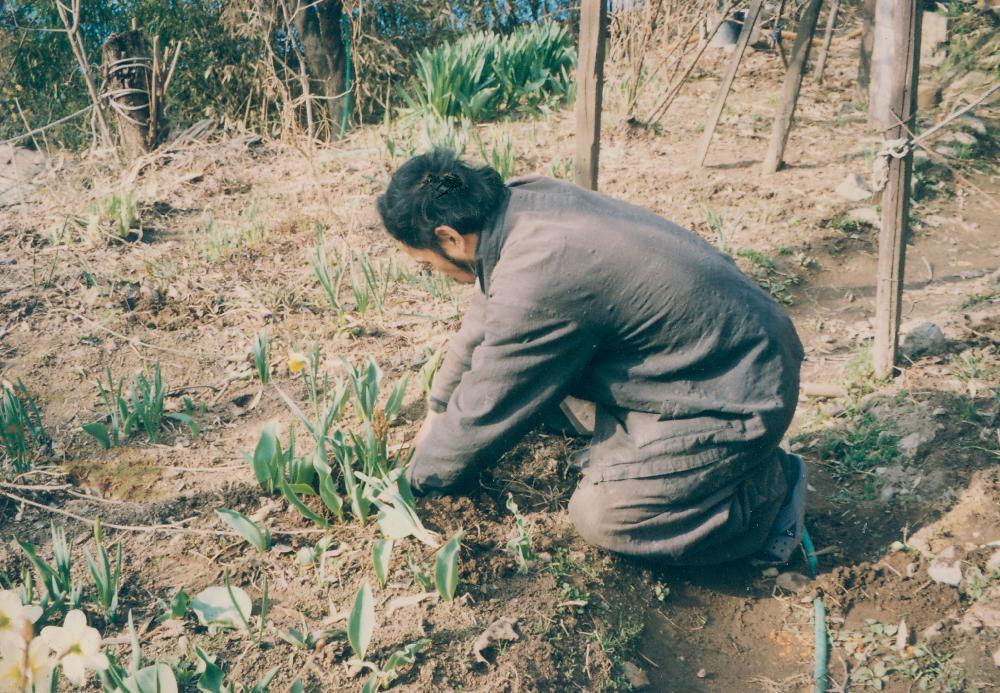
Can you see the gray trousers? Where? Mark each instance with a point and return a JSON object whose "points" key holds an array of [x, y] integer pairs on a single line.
{"points": [[684, 492]]}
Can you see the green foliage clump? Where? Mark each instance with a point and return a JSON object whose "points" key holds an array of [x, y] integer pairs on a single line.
{"points": [[483, 75], [21, 429]]}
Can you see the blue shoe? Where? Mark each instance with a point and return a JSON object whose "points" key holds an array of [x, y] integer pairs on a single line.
{"points": [[786, 533]]}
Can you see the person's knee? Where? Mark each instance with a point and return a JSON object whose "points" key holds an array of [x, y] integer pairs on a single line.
{"points": [[591, 515]]}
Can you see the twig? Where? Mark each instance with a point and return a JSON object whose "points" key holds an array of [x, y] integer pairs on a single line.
{"points": [[46, 127], [150, 528], [131, 340]]}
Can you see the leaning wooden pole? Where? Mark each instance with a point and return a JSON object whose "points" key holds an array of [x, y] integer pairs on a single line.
{"points": [[793, 82], [893, 108], [589, 91], [727, 80], [831, 23]]}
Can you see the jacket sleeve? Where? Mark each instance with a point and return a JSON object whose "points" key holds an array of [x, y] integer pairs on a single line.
{"points": [[459, 357], [527, 360]]}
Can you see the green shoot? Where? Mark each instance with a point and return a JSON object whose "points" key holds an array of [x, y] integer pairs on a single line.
{"points": [[430, 369], [57, 578], [21, 430], [420, 575], [107, 580], [329, 282], [246, 528], [381, 557], [520, 544], [361, 622], [261, 350], [446, 568]]}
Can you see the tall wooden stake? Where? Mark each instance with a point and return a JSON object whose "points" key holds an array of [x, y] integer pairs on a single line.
{"points": [[589, 90], [831, 22], [893, 108], [727, 81], [793, 82]]}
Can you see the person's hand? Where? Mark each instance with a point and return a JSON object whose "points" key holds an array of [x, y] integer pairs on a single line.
{"points": [[429, 420]]}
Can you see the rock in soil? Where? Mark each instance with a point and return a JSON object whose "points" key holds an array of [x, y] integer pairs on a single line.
{"points": [[945, 569], [854, 188], [637, 678], [501, 629], [993, 563], [926, 338], [933, 631], [867, 215], [792, 582]]}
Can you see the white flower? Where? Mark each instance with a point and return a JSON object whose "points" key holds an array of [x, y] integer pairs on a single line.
{"points": [[16, 618], [19, 672], [77, 647]]}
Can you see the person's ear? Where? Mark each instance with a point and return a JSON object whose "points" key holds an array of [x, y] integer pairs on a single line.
{"points": [[450, 240]]}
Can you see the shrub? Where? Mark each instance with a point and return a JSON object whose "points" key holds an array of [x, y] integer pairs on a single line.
{"points": [[483, 75]]}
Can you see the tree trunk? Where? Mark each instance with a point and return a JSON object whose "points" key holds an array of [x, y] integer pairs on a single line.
{"points": [[127, 72], [865, 48], [318, 28]]}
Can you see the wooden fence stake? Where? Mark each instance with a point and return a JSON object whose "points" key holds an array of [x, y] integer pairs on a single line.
{"points": [[831, 22], [895, 71], [793, 82], [589, 90], [727, 81]]}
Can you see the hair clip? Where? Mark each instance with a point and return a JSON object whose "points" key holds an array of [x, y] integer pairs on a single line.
{"points": [[442, 185]]}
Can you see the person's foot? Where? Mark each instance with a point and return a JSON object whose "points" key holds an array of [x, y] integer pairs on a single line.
{"points": [[786, 534]]}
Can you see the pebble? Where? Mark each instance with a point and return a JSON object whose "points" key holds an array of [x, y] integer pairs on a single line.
{"points": [[945, 569], [996, 658], [702, 673], [769, 572], [854, 188], [868, 215], [933, 631], [792, 582], [993, 562], [925, 338], [636, 676]]}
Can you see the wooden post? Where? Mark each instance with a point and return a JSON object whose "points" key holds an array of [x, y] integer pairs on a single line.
{"points": [[589, 90], [831, 22], [865, 48], [128, 78], [793, 82], [727, 81], [893, 107]]}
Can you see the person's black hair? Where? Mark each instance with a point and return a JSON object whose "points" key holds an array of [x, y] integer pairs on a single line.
{"points": [[439, 189]]}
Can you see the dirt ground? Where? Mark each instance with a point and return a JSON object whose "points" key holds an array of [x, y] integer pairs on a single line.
{"points": [[903, 474]]}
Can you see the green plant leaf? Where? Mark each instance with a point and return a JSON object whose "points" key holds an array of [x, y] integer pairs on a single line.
{"points": [[446, 568], [214, 606], [300, 506], [328, 490], [361, 622], [381, 556], [158, 678], [247, 528], [265, 456], [100, 432], [371, 685]]}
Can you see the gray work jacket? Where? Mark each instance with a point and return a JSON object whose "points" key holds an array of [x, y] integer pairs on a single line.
{"points": [[586, 295]]}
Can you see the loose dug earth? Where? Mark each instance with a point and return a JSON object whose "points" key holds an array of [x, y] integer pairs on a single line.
{"points": [[902, 475]]}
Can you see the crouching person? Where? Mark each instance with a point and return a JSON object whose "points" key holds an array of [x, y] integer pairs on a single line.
{"points": [[694, 370]]}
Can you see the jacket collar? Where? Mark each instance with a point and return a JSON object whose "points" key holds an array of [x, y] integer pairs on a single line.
{"points": [[491, 240]]}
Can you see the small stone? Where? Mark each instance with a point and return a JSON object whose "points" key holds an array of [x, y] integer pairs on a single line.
{"points": [[996, 658], [902, 636], [945, 150], [925, 338], [963, 138], [945, 569], [993, 562], [933, 631], [911, 569], [792, 582], [702, 673], [910, 443], [987, 614], [867, 215], [636, 676], [888, 492], [769, 572], [854, 188]]}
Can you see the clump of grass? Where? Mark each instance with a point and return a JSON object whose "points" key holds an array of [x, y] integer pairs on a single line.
{"points": [[141, 410], [483, 75], [862, 444], [223, 242], [22, 433], [261, 350], [765, 272], [118, 212], [500, 156]]}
